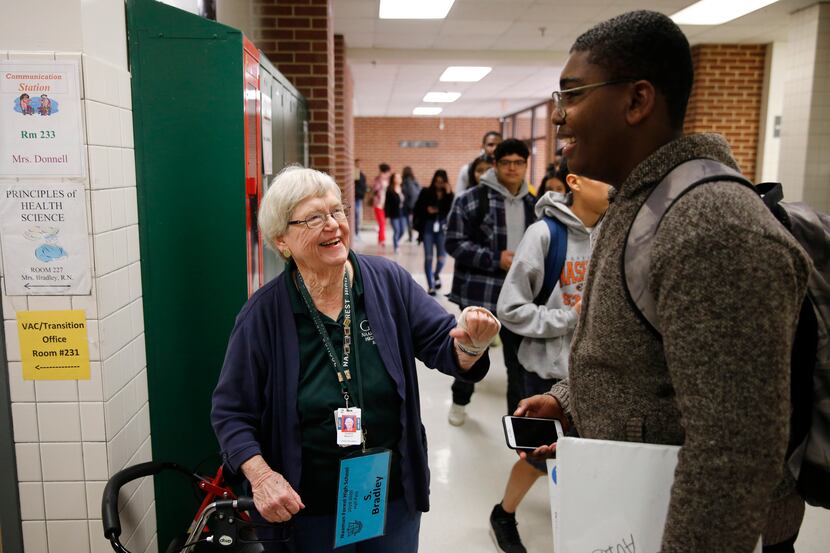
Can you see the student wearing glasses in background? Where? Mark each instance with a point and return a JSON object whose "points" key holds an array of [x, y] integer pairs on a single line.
{"points": [[485, 226]]}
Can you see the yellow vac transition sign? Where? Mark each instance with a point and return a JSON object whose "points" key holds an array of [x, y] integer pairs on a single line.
{"points": [[53, 345]]}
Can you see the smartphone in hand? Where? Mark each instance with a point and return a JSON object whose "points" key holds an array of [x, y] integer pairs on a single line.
{"points": [[527, 433]]}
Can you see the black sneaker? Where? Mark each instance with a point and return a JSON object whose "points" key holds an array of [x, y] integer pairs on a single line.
{"points": [[504, 531], [437, 283]]}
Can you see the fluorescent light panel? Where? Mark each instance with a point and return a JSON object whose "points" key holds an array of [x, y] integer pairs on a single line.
{"points": [[422, 110], [717, 12], [464, 74], [442, 97], [410, 9]]}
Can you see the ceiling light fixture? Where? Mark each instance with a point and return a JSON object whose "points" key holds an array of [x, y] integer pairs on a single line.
{"points": [[464, 74], [422, 110], [717, 12], [407, 9], [442, 97]]}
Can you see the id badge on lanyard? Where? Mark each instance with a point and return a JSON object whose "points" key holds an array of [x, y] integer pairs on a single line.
{"points": [[349, 426], [362, 495]]}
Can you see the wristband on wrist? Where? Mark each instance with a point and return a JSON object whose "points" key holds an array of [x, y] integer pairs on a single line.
{"points": [[468, 351]]}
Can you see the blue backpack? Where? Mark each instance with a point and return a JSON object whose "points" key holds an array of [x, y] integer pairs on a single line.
{"points": [[555, 258]]}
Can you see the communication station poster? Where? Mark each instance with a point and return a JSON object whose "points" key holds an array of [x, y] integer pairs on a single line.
{"points": [[40, 119]]}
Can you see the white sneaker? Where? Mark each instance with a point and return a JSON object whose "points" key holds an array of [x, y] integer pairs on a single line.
{"points": [[457, 414]]}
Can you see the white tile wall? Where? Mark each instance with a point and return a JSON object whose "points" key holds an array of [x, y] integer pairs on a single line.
{"points": [[95, 461], [103, 124], [49, 303], [31, 500], [65, 500], [28, 462], [19, 389], [128, 158], [64, 447], [805, 123], [56, 390], [94, 494], [113, 291], [68, 536], [62, 462], [59, 422], [92, 422], [116, 159], [92, 389], [12, 340], [24, 422], [99, 544], [34, 536], [99, 169], [116, 331], [12, 304]]}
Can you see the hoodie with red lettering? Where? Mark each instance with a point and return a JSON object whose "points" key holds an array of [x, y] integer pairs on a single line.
{"points": [[546, 329]]}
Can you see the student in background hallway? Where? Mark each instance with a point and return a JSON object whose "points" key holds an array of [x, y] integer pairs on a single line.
{"points": [[488, 145], [393, 208], [727, 281], [545, 322], [411, 190], [477, 168], [485, 226], [430, 220], [379, 187], [359, 194]]}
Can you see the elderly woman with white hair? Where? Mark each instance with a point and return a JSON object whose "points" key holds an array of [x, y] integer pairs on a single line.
{"points": [[334, 338]]}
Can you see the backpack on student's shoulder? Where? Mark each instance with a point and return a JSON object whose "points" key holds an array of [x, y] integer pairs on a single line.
{"points": [[555, 258], [808, 454]]}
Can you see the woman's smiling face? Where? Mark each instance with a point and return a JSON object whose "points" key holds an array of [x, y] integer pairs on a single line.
{"points": [[319, 249]]}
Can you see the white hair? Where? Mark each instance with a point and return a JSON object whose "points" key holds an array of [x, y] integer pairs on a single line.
{"points": [[287, 190]]}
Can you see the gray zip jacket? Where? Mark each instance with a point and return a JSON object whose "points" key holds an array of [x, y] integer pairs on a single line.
{"points": [[547, 329], [728, 281]]}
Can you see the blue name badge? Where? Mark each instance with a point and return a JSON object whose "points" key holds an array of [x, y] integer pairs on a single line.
{"points": [[361, 497]]}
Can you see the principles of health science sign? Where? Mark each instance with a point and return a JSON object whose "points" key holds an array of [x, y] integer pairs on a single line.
{"points": [[40, 119], [45, 240]]}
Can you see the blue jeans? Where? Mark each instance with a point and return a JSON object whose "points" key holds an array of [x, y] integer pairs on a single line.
{"points": [[358, 213], [433, 240], [315, 534], [398, 227]]}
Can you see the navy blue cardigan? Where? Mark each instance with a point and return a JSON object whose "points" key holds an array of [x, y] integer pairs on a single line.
{"points": [[255, 401]]}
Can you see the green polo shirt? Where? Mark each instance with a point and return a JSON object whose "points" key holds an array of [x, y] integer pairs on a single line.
{"points": [[319, 394]]}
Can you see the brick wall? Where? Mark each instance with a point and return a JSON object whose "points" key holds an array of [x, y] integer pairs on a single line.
{"points": [[376, 140], [727, 96], [344, 119], [298, 37]]}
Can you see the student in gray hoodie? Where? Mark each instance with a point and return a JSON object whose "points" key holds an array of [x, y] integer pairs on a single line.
{"points": [[546, 330]]}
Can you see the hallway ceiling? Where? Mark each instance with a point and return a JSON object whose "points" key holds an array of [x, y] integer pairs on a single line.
{"points": [[396, 62]]}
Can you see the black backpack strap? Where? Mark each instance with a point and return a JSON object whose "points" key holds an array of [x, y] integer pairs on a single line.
{"points": [[637, 254]]}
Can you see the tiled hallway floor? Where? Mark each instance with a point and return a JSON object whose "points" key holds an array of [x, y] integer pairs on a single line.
{"points": [[470, 464]]}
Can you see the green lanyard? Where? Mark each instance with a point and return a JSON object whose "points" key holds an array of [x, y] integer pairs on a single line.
{"points": [[343, 372]]}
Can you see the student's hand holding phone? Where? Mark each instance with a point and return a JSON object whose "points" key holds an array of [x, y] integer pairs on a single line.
{"points": [[542, 406]]}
